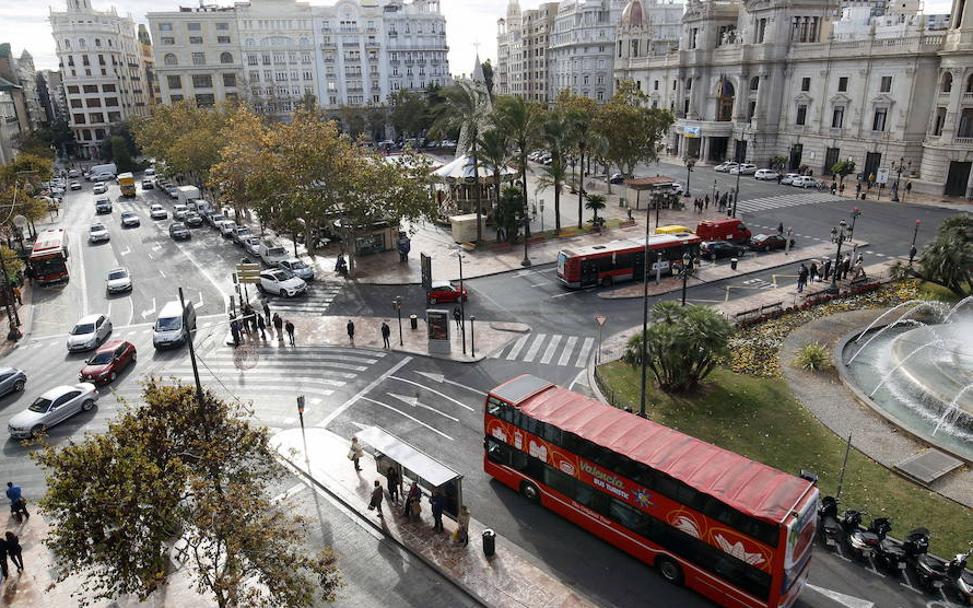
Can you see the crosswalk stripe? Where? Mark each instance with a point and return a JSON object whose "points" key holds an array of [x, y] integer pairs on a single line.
{"points": [[253, 374], [273, 389], [568, 349], [228, 363], [517, 347], [786, 200], [582, 359], [534, 348], [551, 348]]}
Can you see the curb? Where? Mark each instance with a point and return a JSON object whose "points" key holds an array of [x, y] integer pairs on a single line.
{"points": [[465, 278], [466, 590]]}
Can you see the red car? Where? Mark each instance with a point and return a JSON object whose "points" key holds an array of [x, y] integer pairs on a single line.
{"points": [[108, 361], [444, 291]]}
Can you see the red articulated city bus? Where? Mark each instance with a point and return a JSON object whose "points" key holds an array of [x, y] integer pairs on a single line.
{"points": [[623, 260], [49, 257], [732, 529]]}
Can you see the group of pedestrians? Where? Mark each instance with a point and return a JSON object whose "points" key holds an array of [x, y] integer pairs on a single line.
{"points": [[10, 543], [250, 322], [823, 272], [701, 204], [723, 201], [385, 329]]}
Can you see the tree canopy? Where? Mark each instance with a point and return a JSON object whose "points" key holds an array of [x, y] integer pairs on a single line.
{"points": [[632, 130], [948, 259]]}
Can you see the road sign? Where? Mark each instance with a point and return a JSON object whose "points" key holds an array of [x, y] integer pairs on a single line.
{"points": [[600, 320], [248, 273], [882, 175], [426, 270]]}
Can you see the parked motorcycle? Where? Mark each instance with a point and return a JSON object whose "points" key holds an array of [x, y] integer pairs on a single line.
{"points": [[959, 580], [889, 555], [861, 542], [931, 573], [828, 517]]}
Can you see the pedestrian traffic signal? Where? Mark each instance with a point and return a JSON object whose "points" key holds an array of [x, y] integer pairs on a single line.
{"points": [[248, 273]]}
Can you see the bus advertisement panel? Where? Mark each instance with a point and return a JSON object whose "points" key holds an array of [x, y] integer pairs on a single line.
{"points": [[49, 257], [624, 260], [735, 530]]}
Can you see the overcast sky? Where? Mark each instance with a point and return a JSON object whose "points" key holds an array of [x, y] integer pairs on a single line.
{"points": [[24, 24]]}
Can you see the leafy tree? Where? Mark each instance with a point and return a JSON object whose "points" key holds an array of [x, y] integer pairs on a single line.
{"points": [[465, 107], [409, 114], [522, 122], [487, 68], [579, 111], [12, 262], [120, 155], [683, 345], [556, 137], [843, 168], [353, 119], [509, 214], [777, 163], [596, 203], [495, 152], [948, 259], [631, 129], [179, 466], [120, 147], [245, 168]]}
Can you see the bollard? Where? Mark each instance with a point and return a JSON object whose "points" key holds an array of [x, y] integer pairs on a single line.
{"points": [[489, 542], [733, 263], [413, 321]]}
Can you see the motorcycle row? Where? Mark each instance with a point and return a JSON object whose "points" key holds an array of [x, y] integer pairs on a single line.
{"points": [[872, 544]]}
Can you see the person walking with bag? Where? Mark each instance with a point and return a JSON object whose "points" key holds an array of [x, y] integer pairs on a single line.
{"points": [[267, 311], [412, 501], [355, 453], [15, 551], [377, 496], [801, 278]]}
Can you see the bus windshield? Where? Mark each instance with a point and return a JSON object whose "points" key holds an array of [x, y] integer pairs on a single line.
{"points": [[48, 265]]}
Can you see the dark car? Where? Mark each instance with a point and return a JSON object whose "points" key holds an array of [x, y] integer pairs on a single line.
{"points": [[768, 242], [179, 232], [12, 380], [618, 178], [720, 249], [107, 362], [193, 220]]}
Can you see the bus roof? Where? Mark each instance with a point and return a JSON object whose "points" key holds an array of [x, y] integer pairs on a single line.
{"points": [[744, 484], [125, 176], [49, 241], [655, 241]]}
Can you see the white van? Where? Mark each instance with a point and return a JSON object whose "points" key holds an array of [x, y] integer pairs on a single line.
{"points": [[272, 254], [169, 329]]}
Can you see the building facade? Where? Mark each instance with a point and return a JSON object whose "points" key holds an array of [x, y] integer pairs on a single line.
{"points": [[813, 83], [582, 44], [523, 41], [101, 66], [277, 54], [50, 90], [27, 74], [9, 121]]}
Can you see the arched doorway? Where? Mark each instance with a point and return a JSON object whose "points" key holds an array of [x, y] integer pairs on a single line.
{"points": [[725, 98]]}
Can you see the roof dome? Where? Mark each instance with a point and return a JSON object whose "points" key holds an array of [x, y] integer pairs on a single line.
{"points": [[633, 15]]}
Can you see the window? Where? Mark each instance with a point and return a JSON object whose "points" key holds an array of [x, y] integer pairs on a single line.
{"points": [[76, 103], [253, 76], [692, 37], [93, 102], [965, 124], [223, 40], [195, 40], [205, 100], [222, 27], [108, 88], [751, 110], [175, 98], [226, 58], [843, 84], [199, 59], [838, 117], [761, 30], [90, 88], [937, 128], [202, 81], [111, 102], [947, 84], [97, 41], [165, 27], [193, 27], [170, 59], [878, 120], [805, 84], [73, 88], [886, 84], [79, 119], [229, 80], [96, 117], [168, 40], [755, 83]]}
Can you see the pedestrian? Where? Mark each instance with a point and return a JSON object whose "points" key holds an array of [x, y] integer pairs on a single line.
{"points": [[267, 311], [457, 316], [355, 452], [18, 504], [252, 319], [813, 271], [386, 332], [845, 266], [244, 322], [412, 508], [463, 526], [15, 551], [394, 482], [235, 332], [706, 202], [858, 189], [30, 274], [351, 331], [779, 178], [827, 268], [834, 187], [780, 229], [16, 292], [262, 327], [437, 503], [377, 497], [801, 278], [4, 566], [279, 327], [289, 328]]}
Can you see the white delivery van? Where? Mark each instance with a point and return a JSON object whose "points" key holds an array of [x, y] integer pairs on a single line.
{"points": [[97, 170], [184, 194], [169, 329]]}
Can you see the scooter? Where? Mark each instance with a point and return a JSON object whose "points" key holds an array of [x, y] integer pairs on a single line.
{"points": [[861, 542], [959, 579], [932, 574], [828, 516], [341, 267], [889, 555]]}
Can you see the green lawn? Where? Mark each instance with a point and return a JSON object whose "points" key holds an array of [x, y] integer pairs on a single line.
{"points": [[760, 418]]}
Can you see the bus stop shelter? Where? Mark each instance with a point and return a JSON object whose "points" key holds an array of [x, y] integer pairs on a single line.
{"points": [[414, 464], [654, 186]]}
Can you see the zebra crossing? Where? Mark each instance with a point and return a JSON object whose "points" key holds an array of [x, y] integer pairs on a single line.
{"points": [[316, 301], [548, 349], [785, 200]]}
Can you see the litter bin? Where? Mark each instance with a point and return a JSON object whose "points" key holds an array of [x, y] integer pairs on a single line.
{"points": [[489, 542], [413, 321], [733, 263]]}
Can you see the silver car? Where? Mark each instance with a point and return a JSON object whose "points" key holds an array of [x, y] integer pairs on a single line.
{"points": [[118, 280], [89, 332], [298, 267], [12, 380], [51, 408]]}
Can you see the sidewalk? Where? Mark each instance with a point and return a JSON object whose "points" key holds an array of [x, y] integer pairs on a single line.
{"points": [[26, 314], [509, 579], [482, 337]]}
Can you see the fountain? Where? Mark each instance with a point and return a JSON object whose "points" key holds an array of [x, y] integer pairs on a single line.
{"points": [[919, 374]]}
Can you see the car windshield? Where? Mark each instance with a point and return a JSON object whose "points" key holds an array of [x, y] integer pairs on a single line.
{"points": [[97, 228], [117, 274], [101, 358], [83, 328], [298, 265], [177, 227], [283, 275], [168, 323], [40, 405], [276, 251]]}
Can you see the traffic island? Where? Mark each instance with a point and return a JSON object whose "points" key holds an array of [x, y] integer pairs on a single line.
{"points": [[508, 579]]}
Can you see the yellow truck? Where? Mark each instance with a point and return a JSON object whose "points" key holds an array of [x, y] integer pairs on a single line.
{"points": [[126, 181]]}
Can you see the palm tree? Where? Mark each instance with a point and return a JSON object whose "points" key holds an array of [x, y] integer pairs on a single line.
{"points": [[494, 147], [596, 202], [522, 122], [464, 107], [555, 135], [948, 259], [580, 123]]}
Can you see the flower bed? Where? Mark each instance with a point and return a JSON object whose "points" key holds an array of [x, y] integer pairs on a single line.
{"points": [[755, 345]]}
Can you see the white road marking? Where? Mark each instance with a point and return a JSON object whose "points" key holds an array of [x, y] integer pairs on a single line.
{"points": [[440, 379], [360, 394], [162, 273], [287, 493], [108, 314], [146, 313], [582, 359], [551, 348], [518, 346], [535, 347], [125, 251], [568, 349], [414, 402], [84, 282], [412, 418], [435, 392], [845, 600], [131, 310]]}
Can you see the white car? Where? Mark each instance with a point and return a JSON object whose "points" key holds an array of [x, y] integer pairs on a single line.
{"points": [[118, 281], [158, 212], [99, 189], [149, 172], [788, 178], [804, 181], [130, 219], [281, 282], [97, 233], [765, 174], [53, 407], [744, 169], [271, 254], [75, 185], [179, 212], [724, 167], [73, 173], [251, 245], [298, 267], [227, 228], [89, 332]]}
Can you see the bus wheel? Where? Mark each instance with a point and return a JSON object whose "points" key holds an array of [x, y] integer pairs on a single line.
{"points": [[530, 492], [606, 281], [669, 570]]}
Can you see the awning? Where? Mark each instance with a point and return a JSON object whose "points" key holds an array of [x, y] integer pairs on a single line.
{"points": [[428, 469]]}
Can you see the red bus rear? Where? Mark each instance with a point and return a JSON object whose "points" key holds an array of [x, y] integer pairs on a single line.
{"points": [[49, 257], [734, 530], [624, 260]]}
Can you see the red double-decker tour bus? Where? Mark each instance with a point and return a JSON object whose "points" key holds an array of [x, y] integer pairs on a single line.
{"points": [[49, 257], [734, 530], [624, 260]]}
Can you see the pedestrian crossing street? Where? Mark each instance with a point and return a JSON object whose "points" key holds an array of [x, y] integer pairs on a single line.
{"points": [[548, 349], [316, 301], [785, 200]]}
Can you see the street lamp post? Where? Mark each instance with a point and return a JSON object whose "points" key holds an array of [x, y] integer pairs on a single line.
{"points": [[462, 307], [645, 311], [397, 304], [526, 261], [898, 177], [913, 250], [690, 162], [854, 217], [839, 234], [685, 271], [472, 336]]}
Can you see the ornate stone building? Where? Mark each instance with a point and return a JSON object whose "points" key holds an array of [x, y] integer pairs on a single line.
{"points": [[523, 39]]}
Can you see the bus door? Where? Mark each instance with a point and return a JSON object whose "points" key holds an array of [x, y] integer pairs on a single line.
{"points": [[589, 272]]}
